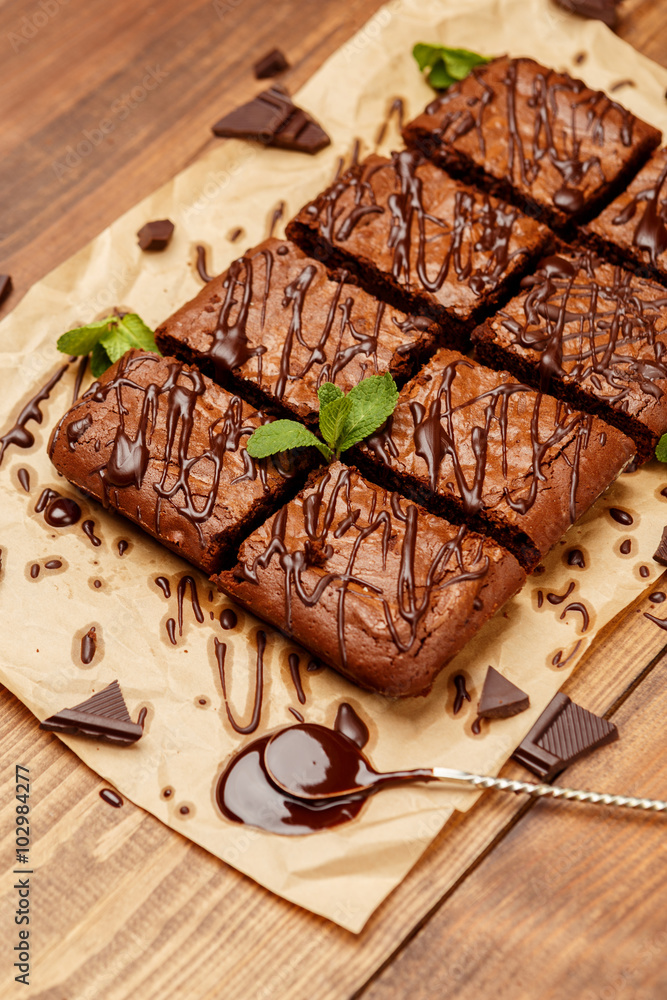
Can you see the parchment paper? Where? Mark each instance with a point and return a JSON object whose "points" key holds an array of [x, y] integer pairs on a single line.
{"points": [[343, 873]]}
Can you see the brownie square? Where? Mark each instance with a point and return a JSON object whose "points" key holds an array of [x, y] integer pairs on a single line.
{"points": [[478, 446], [161, 444], [633, 229], [275, 326], [537, 137], [593, 334], [421, 241], [378, 588]]}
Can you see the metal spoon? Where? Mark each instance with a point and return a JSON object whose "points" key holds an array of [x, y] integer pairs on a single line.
{"points": [[312, 762]]}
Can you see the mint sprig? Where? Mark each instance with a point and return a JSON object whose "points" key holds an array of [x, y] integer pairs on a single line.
{"points": [[446, 66], [345, 420], [108, 340], [661, 449]]}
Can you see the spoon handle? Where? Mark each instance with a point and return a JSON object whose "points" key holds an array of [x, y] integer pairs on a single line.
{"points": [[552, 791]]}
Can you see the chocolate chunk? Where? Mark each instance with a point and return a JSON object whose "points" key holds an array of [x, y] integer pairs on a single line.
{"points": [[271, 64], [103, 717], [597, 10], [5, 286], [272, 118], [660, 554], [156, 235], [500, 698], [562, 734]]}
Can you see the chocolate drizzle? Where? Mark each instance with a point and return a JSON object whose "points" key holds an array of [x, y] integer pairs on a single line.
{"points": [[185, 582], [220, 655], [462, 693], [583, 611], [474, 233], [24, 479], [295, 674], [89, 531], [396, 109], [201, 265], [19, 434], [650, 234]]}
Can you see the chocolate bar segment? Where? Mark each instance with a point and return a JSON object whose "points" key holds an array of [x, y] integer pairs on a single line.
{"points": [[271, 64], [500, 698], [275, 326], [660, 554], [156, 235], [5, 287], [274, 120], [564, 733], [166, 447], [104, 717], [372, 584]]}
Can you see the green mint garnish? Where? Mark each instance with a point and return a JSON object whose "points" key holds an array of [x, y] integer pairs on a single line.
{"points": [[108, 339], [446, 66], [661, 449], [344, 420]]}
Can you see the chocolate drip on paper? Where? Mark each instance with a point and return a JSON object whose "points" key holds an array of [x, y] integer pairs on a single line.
{"points": [[220, 655], [201, 265], [18, 434], [462, 693]]}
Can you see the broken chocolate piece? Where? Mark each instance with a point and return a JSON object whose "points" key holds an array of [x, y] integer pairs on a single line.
{"points": [[597, 10], [156, 235], [500, 698], [5, 286], [104, 717], [272, 118], [562, 734], [271, 64], [660, 554]]}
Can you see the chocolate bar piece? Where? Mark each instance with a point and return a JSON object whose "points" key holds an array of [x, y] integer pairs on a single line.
{"points": [[500, 698], [597, 10], [274, 120], [271, 64], [103, 717], [156, 235], [5, 286], [660, 554], [562, 734]]}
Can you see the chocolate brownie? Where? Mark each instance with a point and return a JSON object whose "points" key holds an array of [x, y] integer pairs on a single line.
{"points": [[633, 229], [378, 588], [478, 446], [593, 334], [537, 137], [274, 327], [161, 444], [421, 241]]}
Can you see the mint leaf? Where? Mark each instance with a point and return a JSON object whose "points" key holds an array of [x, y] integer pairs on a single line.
{"points": [[373, 400], [281, 435], [116, 344], [83, 338], [446, 65], [140, 335], [661, 449], [327, 392], [333, 418], [99, 361]]}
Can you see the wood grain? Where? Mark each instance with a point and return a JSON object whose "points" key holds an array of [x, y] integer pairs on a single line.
{"points": [[123, 906]]}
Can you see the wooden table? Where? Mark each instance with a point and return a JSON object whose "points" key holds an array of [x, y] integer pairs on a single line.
{"points": [[514, 899]]}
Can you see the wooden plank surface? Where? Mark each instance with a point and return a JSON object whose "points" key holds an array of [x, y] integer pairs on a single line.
{"points": [[125, 907]]}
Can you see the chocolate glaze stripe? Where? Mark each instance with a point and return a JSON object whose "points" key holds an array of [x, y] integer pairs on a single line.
{"points": [[19, 434]]}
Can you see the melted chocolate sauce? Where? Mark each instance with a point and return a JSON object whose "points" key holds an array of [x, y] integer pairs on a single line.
{"points": [[24, 479], [621, 516], [111, 797], [228, 619], [477, 726], [220, 652], [644, 571], [314, 666], [296, 677], [575, 557], [297, 715], [540, 599], [583, 611], [558, 660], [122, 547], [660, 622], [349, 724], [658, 597], [201, 265], [62, 512], [88, 530], [163, 583], [34, 571], [97, 584], [53, 564], [462, 693], [396, 108], [18, 434], [88, 646], [559, 598], [626, 546], [183, 583], [141, 718], [80, 372], [167, 793], [276, 217], [171, 630], [184, 810]]}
